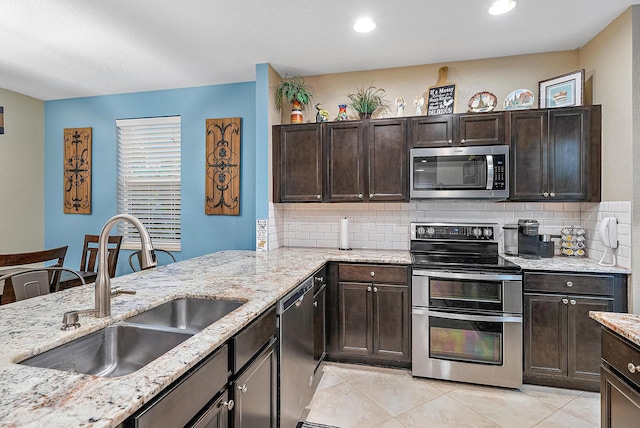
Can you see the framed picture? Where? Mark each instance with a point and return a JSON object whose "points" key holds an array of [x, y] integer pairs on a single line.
{"points": [[562, 91]]}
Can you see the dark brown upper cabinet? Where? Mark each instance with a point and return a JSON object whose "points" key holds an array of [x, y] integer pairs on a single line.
{"points": [[347, 161], [297, 163], [461, 129], [555, 154]]}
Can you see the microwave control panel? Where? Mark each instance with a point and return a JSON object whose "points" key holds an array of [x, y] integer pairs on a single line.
{"points": [[499, 172]]}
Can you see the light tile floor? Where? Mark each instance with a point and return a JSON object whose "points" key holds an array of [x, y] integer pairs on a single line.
{"points": [[364, 397]]}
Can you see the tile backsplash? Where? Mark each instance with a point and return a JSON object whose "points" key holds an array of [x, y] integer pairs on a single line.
{"points": [[386, 225]]}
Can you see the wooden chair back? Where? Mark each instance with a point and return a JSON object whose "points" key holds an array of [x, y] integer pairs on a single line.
{"points": [[52, 257], [89, 260]]}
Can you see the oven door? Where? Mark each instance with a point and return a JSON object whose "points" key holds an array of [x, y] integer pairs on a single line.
{"points": [[475, 291], [467, 347]]}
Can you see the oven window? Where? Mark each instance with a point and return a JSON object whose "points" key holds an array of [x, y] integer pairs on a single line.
{"points": [[465, 294], [469, 341], [460, 172]]}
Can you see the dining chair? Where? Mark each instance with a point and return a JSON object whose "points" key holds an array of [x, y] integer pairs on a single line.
{"points": [[30, 284], [51, 258], [136, 256], [89, 260]]}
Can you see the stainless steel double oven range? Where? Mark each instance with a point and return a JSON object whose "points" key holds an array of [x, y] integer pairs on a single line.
{"points": [[466, 306]]}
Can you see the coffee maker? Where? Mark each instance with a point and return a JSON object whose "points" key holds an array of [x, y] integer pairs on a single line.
{"points": [[528, 239]]}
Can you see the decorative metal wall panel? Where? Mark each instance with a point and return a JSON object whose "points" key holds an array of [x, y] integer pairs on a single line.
{"points": [[222, 186], [77, 171]]}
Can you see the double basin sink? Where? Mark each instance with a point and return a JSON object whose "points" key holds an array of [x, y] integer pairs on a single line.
{"points": [[127, 346]]}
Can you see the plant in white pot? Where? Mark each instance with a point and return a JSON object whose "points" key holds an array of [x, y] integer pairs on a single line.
{"points": [[295, 91]]}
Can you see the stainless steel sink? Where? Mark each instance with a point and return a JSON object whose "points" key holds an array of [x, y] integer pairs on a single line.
{"points": [[115, 350], [188, 314]]}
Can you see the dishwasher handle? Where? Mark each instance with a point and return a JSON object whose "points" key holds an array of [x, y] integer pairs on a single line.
{"points": [[294, 297]]}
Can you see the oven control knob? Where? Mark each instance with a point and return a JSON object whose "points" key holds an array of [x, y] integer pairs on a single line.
{"points": [[487, 232], [431, 231], [420, 231], [477, 232]]}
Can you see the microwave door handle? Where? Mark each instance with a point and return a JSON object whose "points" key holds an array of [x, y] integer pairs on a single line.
{"points": [[489, 172]]}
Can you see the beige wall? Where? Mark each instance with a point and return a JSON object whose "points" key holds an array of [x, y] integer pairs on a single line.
{"points": [[607, 60], [21, 174], [499, 76]]}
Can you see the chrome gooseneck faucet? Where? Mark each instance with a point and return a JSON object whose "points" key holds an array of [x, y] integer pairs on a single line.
{"points": [[103, 282]]}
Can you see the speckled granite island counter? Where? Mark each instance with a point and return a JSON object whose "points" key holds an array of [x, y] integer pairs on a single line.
{"points": [[626, 325], [36, 397], [566, 264]]}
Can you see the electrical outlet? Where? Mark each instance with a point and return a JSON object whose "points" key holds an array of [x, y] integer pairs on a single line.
{"points": [[296, 225], [371, 226]]}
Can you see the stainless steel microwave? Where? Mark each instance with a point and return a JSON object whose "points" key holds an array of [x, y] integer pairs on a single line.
{"points": [[477, 172]]}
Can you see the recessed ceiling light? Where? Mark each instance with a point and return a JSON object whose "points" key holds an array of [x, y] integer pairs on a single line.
{"points": [[364, 25], [502, 6]]}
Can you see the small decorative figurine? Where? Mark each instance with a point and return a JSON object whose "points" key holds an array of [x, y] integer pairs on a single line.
{"points": [[419, 103], [342, 113], [321, 115], [400, 107]]}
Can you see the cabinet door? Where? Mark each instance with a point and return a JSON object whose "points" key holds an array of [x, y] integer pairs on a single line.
{"points": [[584, 336], [299, 153], [545, 335], [391, 321], [620, 402], [345, 161], [216, 415], [569, 159], [481, 129], [528, 133], [354, 318], [255, 393], [387, 160], [432, 131]]}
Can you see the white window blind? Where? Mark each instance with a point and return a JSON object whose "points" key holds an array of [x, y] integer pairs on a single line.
{"points": [[149, 180]]}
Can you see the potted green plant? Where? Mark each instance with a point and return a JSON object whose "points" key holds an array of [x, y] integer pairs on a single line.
{"points": [[367, 101], [295, 91]]}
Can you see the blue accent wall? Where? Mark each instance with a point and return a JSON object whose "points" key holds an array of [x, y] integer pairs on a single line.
{"points": [[262, 141], [201, 234]]}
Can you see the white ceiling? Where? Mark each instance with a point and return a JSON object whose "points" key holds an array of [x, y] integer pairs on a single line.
{"points": [[75, 48]]}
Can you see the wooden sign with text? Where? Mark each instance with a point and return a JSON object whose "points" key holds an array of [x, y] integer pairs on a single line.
{"points": [[441, 98]]}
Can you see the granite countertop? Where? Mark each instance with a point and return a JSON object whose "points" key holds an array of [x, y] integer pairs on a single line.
{"points": [[626, 325], [36, 397], [566, 264]]}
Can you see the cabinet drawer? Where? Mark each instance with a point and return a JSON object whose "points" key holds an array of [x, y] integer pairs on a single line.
{"points": [[619, 354], [602, 285], [248, 342], [180, 402], [373, 273]]}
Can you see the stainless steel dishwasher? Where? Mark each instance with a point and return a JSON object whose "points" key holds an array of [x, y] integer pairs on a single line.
{"points": [[296, 364]]}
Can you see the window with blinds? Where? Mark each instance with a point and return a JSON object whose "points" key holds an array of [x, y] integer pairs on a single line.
{"points": [[149, 180]]}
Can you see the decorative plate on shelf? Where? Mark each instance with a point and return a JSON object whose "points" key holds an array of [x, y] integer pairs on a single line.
{"points": [[482, 101], [520, 99]]}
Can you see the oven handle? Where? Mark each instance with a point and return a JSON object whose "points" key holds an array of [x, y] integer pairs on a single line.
{"points": [[489, 172], [467, 317], [468, 275]]}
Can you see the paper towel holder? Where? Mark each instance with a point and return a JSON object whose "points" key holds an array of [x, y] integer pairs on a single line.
{"points": [[344, 234]]}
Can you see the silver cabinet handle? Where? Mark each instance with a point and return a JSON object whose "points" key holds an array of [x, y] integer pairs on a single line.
{"points": [[633, 368], [315, 303], [318, 196], [375, 289], [569, 284], [319, 278], [545, 194], [463, 141], [565, 301], [573, 302], [368, 288], [228, 404], [370, 195], [450, 141], [359, 195], [243, 388], [553, 195], [373, 273]]}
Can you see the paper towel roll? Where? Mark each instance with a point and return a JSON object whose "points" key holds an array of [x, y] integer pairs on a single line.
{"points": [[344, 234]]}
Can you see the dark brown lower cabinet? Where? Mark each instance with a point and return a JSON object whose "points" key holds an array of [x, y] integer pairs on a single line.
{"points": [[620, 387], [561, 342], [216, 415], [254, 392], [372, 324]]}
